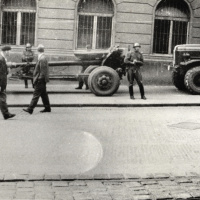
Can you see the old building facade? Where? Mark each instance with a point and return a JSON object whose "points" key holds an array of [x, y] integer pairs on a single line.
{"points": [[65, 26]]}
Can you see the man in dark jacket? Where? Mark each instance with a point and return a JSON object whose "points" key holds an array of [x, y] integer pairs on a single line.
{"points": [[134, 61], [3, 82], [40, 78]]}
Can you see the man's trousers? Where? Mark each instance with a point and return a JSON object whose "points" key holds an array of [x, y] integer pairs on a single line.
{"points": [[81, 79], [3, 104], [135, 74], [40, 91]]}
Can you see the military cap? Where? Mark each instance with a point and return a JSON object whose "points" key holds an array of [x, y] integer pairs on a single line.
{"points": [[28, 45], [5, 48], [136, 45], [40, 48]]}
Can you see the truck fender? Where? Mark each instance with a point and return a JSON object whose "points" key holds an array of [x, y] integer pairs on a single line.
{"points": [[191, 62]]}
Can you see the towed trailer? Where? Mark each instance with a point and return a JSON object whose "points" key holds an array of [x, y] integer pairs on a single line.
{"points": [[101, 75]]}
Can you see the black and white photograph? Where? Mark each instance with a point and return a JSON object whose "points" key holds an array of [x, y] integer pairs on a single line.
{"points": [[100, 99]]}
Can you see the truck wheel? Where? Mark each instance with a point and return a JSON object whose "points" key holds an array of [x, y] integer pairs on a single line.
{"points": [[104, 81], [178, 80], [88, 70], [192, 80]]}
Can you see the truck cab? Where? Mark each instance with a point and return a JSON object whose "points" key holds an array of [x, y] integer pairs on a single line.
{"points": [[186, 67]]}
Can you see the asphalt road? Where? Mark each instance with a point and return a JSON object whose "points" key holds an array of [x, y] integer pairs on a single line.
{"points": [[102, 140]]}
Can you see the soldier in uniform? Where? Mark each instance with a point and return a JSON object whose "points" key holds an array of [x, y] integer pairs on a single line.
{"points": [[40, 78], [3, 82], [28, 57], [134, 61]]}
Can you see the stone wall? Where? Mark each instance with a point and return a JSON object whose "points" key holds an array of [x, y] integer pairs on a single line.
{"points": [[56, 19], [134, 21]]}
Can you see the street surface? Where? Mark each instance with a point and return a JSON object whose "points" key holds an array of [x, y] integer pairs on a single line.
{"points": [[102, 140]]}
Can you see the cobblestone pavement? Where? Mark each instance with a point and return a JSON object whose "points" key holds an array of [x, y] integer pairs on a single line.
{"points": [[135, 189]]}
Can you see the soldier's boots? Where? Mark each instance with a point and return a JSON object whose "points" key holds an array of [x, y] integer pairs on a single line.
{"points": [[80, 85], [131, 90], [132, 96], [143, 97], [86, 86]]}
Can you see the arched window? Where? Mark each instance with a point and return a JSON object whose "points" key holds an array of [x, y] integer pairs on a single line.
{"points": [[171, 25], [95, 18], [18, 22]]}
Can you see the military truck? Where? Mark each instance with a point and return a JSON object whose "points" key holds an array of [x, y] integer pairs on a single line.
{"points": [[102, 75], [186, 67]]}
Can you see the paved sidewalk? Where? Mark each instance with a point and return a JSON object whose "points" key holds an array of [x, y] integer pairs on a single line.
{"points": [[65, 95]]}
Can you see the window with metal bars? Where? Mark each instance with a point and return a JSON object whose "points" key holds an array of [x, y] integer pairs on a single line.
{"points": [[95, 18], [18, 22], [171, 26]]}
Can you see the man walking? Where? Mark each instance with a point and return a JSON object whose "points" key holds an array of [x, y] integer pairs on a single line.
{"points": [[134, 61], [40, 78], [5, 52]]}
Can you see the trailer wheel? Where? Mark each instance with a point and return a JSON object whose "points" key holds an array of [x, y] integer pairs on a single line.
{"points": [[104, 81], [192, 80], [178, 80], [88, 70]]}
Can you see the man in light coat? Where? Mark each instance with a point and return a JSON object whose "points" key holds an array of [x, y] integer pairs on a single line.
{"points": [[40, 79]]}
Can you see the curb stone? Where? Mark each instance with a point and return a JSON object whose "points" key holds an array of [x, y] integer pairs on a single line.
{"points": [[148, 179], [113, 105]]}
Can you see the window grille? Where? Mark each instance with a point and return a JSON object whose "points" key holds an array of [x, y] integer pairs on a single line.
{"points": [[18, 22], [9, 28], [171, 26], [85, 30], [104, 26], [27, 28], [179, 35], [95, 24], [161, 36]]}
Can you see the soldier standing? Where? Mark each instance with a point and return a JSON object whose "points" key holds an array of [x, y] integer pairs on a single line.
{"points": [[134, 61], [40, 78], [28, 57], [5, 52]]}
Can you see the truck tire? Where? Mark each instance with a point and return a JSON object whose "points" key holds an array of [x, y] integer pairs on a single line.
{"points": [[192, 80], [88, 70], [178, 80], [104, 81]]}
